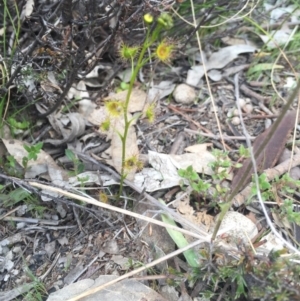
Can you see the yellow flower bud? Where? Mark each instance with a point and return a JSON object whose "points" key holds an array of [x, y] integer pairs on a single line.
{"points": [[148, 18]]}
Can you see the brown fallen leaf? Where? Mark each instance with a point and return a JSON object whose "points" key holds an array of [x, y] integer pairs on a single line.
{"points": [[271, 153], [271, 173]]}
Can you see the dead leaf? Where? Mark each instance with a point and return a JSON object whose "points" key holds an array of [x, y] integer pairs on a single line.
{"points": [[270, 155], [27, 9], [69, 126], [115, 150], [183, 207], [34, 167], [164, 173], [98, 116], [198, 148], [277, 38], [137, 99], [230, 41], [163, 89], [217, 60], [128, 289]]}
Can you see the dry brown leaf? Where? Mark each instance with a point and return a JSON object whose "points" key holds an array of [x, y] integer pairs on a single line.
{"points": [[183, 207], [98, 116], [137, 99], [271, 153], [115, 150]]}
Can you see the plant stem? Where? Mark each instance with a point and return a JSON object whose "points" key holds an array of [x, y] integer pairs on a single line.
{"points": [[127, 122]]}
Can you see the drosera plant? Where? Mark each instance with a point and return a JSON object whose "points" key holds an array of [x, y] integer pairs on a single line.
{"points": [[136, 56]]}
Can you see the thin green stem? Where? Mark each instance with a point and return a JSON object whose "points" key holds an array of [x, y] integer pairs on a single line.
{"points": [[140, 63]]}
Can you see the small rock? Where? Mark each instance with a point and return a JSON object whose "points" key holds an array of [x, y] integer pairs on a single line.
{"points": [[20, 225], [241, 102], [248, 108], [184, 94], [235, 120], [17, 249], [238, 227], [235, 112]]}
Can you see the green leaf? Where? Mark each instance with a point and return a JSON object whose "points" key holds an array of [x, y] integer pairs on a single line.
{"points": [[262, 67], [70, 155], [190, 255]]}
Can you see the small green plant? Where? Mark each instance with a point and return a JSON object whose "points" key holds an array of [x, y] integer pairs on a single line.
{"points": [[243, 152], [38, 290], [78, 165], [221, 165], [11, 165], [287, 186], [11, 197], [16, 125], [284, 185], [15, 196], [287, 210], [248, 277], [196, 183], [33, 151], [264, 187]]}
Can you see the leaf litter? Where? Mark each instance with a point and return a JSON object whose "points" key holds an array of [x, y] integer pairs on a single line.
{"points": [[162, 172]]}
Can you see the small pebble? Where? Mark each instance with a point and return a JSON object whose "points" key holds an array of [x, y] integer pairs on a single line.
{"points": [[235, 120], [17, 249], [184, 94], [20, 225], [248, 108], [235, 112], [241, 102]]}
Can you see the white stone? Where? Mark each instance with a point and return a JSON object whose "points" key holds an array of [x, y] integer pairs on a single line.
{"points": [[238, 227], [241, 102], [248, 108], [235, 120], [184, 94]]}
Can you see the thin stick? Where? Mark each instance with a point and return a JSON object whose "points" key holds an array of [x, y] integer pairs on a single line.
{"points": [[206, 77], [141, 269], [217, 137], [116, 209]]}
